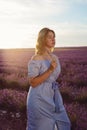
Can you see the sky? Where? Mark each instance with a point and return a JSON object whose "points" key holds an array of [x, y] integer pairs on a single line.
{"points": [[21, 20]]}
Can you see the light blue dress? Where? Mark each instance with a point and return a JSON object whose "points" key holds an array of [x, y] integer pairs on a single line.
{"points": [[44, 107]]}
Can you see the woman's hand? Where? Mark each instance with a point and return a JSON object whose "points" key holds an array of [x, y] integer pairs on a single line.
{"points": [[53, 65], [35, 81]]}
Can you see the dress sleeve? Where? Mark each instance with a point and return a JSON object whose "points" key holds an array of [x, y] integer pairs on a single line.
{"points": [[33, 68]]}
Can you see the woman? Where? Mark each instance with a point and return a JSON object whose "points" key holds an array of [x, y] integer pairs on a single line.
{"points": [[44, 102]]}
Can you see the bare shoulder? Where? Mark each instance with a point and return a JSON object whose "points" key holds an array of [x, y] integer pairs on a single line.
{"points": [[55, 56], [36, 57]]}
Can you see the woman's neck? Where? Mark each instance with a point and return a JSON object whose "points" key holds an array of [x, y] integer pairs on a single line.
{"points": [[48, 51], [47, 54]]}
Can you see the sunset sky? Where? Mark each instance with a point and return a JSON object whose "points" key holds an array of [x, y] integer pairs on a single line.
{"points": [[21, 20]]}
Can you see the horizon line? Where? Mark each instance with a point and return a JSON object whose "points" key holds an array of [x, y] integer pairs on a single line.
{"points": [[34, 47]]}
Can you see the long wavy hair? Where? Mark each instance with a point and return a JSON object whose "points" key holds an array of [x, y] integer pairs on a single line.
{"points": [[41, 40]]}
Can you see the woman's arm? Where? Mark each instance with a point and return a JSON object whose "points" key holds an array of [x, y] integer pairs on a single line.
{"points": [[34, 82]]}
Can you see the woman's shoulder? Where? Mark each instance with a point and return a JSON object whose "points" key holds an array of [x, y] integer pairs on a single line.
{"points": [[55, 56], [36, 57]]}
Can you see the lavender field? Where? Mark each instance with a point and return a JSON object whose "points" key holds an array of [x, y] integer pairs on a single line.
{"points": [[14, 86]]}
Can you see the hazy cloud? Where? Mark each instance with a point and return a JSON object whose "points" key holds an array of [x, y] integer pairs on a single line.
{"points": [[20, 21]]}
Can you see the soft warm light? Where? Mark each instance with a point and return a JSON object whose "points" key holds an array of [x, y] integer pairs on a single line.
{"points": [[20, 22]]}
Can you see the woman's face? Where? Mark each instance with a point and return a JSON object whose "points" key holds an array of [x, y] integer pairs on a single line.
{"points": [[50, 40]]}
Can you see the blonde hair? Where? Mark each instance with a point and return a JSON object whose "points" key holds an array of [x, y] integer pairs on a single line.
{"points": [[41, 40]]}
